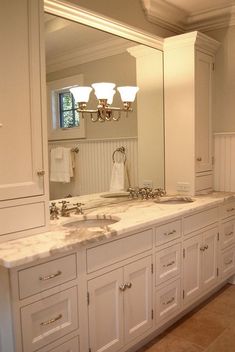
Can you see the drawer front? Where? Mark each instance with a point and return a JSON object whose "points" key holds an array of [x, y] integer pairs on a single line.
{"points": [[196, 221], [227, 234], [228, 263], [22, 217], [168, 263], [109, 253], [69, 346], [44, 276], [49, 319], [167, 232], [168, 301], [203, 182], [228, 209]]}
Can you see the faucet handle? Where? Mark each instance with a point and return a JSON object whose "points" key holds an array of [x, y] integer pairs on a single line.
{"points": [[79, 209], [54, 211], [64, 208]]}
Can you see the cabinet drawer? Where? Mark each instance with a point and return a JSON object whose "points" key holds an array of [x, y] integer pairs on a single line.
{"points": [[228, 262], [69, 346], [49, 319], [228, 210], [168, 263], [44, 276], [203, 182], [168, 301], [167, 232], [22, 217], [196, 221], [227, 234], [109, 253]]}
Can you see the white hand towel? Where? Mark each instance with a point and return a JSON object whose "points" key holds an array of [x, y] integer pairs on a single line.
{"points": [[117, 177], [61, 168]]}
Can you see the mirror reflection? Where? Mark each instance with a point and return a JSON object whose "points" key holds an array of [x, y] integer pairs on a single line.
{"points": [[83, 154]]}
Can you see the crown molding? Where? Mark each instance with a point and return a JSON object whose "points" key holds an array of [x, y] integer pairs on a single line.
{"points": [[196, 39], [78, 14], [173, 18], [87, 54]]}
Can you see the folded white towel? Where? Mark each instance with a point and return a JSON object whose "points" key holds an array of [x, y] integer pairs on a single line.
{"points": [[58, 152], [117, 182], [61, 168]]}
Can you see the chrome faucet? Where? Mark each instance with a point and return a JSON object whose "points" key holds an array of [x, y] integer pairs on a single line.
{"points": [[145, 192], [54, 211], [65, 210]]}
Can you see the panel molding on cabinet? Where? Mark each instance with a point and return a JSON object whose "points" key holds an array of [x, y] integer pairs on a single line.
{"points": [[21, 155]]}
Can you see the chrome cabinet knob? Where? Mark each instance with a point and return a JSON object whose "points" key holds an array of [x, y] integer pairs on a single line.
{"points": [[122, 287], [128, 285]]}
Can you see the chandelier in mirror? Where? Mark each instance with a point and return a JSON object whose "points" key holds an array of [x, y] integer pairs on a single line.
{"points": [[104, 92]]}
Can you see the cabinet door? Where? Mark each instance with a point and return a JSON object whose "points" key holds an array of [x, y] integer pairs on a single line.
{"points": [[209, 258], [204, 70], [227, 234], [20, 96], [106, 312], [137, 298], [192, 268]]}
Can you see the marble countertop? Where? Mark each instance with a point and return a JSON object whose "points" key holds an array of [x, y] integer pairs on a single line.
{"points": [[132, 215]]}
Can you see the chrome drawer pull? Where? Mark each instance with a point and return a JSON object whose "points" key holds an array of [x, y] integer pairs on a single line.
{"points": [[230, 262], [170, 301], [169, 264], [202, 248], [229, 234], [230, 209], [169, 233], [45, 278], [52, 320]]}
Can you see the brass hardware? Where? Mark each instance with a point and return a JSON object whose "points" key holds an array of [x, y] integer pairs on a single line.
{"points": [[52, 320], [51, 276], [88, 298], [152, 314], [122, 287], [169, 301], [152, 268], [40, 172], [169, 233], [202, 248], [229, 262], [183, 294], [128, 285], [206, 246], [183, 252], [169, 264], [199, 159], [229, 234], [217, 236], [75, 150]]}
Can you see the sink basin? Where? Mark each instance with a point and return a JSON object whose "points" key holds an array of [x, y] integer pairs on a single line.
{"points": [[115, 195], [174, 200], [90, 223]]}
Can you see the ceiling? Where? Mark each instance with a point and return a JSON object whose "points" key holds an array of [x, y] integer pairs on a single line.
{"points": [[184, 15]]}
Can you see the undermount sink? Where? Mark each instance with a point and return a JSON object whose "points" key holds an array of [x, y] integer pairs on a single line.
{"points": [[90, 223], [115, 195], [174, 200]]}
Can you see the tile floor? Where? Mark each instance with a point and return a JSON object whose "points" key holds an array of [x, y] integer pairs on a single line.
{"points": [[209, 328]]}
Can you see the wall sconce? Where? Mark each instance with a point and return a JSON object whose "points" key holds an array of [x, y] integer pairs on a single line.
{"points": [[104, 92]]}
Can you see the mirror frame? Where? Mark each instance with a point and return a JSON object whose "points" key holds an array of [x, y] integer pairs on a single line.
{"points": [[92, 19]]}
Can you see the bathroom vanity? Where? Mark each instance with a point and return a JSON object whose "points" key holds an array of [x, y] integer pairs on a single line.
{"points": [[109, 288]]}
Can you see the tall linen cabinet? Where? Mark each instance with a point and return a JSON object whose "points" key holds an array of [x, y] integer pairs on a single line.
{"points": [[188, 82], [23, 164]]}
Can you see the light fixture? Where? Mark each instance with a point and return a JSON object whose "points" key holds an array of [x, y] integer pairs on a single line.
{"points": [[104, 92]]}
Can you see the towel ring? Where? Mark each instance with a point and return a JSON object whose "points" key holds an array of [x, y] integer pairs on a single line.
{"points": [[120, 150]]}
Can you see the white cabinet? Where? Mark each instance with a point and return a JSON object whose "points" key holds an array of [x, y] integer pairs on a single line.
{"points": [[21, 123], [199, 263], [188, 63], [120, 305]]}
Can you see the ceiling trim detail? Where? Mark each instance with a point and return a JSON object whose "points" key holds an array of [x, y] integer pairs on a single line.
{"points": [[177, 20]]}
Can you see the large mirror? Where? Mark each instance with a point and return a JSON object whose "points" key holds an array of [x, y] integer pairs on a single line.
{"points": [[80, 55]]}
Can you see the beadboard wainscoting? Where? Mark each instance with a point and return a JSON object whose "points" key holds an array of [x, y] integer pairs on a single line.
{"points": [[224, 164], [93, 165]]}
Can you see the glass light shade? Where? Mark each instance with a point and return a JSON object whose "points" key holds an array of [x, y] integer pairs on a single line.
{"points": [[103, 90], [81, 94], [128, 93], [110, 99]]}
